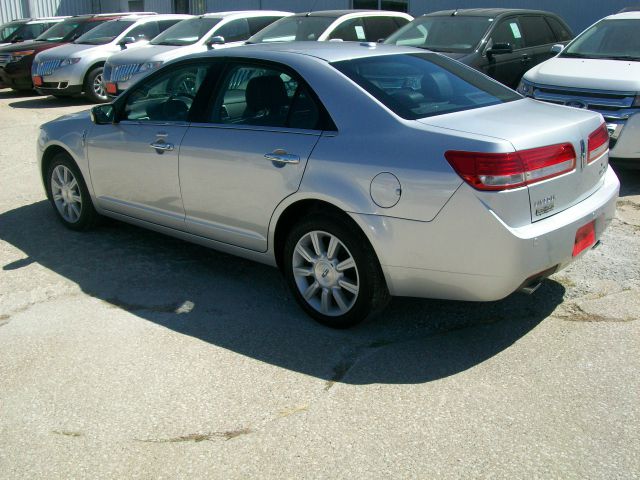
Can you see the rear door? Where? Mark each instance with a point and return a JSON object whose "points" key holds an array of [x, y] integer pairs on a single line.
{"points": [[538, 37], [248, 152]]}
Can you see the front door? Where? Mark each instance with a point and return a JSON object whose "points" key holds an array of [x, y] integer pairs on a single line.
{"points": [[507, 68], [134, 162], [249, 154]]}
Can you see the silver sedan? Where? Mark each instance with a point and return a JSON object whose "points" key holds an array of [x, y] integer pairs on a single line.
{"points": [[360, 170]]}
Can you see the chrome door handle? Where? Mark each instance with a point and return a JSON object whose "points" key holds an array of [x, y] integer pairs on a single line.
{"points": [[165, 147], [282, 157]]}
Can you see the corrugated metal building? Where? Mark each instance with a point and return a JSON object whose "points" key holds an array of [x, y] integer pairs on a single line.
{"points": [[578, 13]]}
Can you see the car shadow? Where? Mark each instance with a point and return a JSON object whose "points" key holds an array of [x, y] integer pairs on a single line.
{"points": [[50, 102], [245, 307], [629, 181]]}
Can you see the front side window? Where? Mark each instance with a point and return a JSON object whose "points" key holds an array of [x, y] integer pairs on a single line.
{"points": [[234, 31], [186, 32], [167, 97], [8, 30], [424, 84], [59, 32], [607, 39], [443, 34], [257, 95], [296, 28], [29, 32], [508, 31], [105, 33], [351, 30], [146, 31], [379, 28]]}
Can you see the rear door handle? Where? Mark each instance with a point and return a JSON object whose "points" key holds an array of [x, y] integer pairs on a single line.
{"points": [[525, 58], [165, 147], [282, 157]]}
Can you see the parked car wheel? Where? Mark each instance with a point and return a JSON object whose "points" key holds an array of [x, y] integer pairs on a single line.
{"points": [[68, 194], [94, 88], [333, 272]]}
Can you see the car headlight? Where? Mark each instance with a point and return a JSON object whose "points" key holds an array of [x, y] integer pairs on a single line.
{"points": [[17, 56], [525, 88], [69, 61], [146, 67]]}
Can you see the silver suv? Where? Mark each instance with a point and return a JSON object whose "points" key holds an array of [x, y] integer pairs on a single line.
{"points": [[205, 32], [77, 67]]}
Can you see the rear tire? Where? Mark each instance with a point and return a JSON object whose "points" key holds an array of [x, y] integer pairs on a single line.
{"points": [[68, 194], [333, 272], [93, 87]]}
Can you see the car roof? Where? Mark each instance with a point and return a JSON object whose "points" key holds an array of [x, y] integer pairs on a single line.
{"points": [[342, 13], [152, 18], [245, 13], [328, 51], [626, 15], [485, 12]]}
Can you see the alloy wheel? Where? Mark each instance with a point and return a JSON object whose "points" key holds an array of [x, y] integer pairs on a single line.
{"points": [[66, 193]]}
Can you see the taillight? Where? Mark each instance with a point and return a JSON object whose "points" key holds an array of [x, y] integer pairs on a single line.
{"points": [[598, 142], [503, 171]]}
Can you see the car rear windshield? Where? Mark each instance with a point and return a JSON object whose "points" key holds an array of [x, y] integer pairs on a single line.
{"points": [[294, 28], [186, 32], [8, 30], [105, 33], [443, 34], [424, 84], [608, 39]]}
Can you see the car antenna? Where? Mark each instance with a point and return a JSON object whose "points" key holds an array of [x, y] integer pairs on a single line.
{"points": [[312, 7]]}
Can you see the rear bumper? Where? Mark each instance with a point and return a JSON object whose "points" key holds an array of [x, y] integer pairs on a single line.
{"points": [[468, 253]]}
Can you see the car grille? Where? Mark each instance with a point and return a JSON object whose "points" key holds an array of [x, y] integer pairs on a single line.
{"points": [[612, 105], [46, 68], [122, 73]]}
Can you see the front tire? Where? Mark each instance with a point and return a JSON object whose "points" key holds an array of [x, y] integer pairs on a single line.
{"points": [[94, 88], [68, 194], [333, 272]]}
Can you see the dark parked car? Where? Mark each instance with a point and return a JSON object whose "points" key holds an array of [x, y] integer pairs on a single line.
{"points": [[16, 60], [502, 43], [25, 29]]}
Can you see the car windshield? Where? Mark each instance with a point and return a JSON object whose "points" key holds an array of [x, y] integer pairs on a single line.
{"points": [[186, 32], [457, 34], [424, 84], [8, 30], [105, 33], [608, 39], [294, 28], [58, 32]]}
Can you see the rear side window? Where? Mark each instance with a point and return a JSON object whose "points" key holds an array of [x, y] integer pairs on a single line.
{"points": [[351, 30], [234, 31], [258, 23], [562, 32], [536, 31], [424, 84], [379, 28]]}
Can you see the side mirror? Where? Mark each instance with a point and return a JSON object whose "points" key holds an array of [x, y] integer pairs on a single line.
{"points": [[217, 40], [103, 114], [126, 41], [499, 49], [557, 48]]}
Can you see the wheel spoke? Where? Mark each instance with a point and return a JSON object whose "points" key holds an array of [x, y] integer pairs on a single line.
{"points": [[75, 209], [324, 301], [76, 198], [311, 290], [302, 272], [346, 265], [73, 183], [348, 286], [59, 175], [339, 298], [304, 253], [57, 196], [65, 175], [333, 247], [315, 240]]}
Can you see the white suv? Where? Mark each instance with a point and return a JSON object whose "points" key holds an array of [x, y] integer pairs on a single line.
{"points": [[205, 32], [600, 71], [77, 67]]}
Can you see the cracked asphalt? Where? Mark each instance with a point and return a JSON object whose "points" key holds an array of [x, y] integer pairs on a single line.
{"points": [[127, 354]]}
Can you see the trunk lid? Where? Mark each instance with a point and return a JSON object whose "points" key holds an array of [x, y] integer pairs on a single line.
{"points": [[528, 124]]}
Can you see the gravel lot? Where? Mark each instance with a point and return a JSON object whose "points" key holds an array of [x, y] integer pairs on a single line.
{"points": [[127, 354]]}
